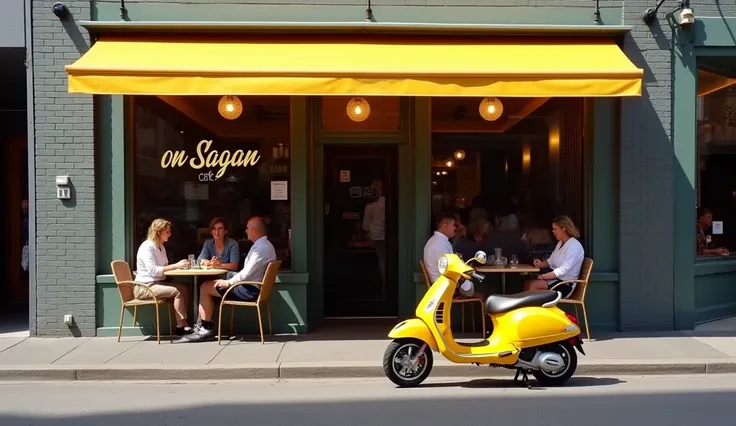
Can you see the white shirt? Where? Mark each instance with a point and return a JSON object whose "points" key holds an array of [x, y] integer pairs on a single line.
{"points": [[438, 245], [374, 219], [149, 263], [254, 268], [567, 260]]}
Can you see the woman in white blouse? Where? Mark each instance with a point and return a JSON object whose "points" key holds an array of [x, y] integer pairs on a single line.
{"points": [[565, 261], [151, 263]]}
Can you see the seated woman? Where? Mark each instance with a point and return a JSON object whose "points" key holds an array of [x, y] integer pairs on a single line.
{"points": [[151, 263], [220, 251], [565, 261]]}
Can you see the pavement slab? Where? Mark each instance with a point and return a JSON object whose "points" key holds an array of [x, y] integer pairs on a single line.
{"points": [[9, 342], [96, 351], [39, 351], [168, 353], [248, 352]]}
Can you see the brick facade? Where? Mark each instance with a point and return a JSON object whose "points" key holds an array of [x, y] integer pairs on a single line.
{"points": [[65, 146]]}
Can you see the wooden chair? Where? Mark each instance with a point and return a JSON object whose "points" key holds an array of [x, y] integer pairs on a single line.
{"points": [[126, 285], [577, 297], [461, 300], [269, 279]]}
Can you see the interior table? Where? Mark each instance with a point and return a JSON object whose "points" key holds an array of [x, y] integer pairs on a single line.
{"points": [[519, 269], [196, 273]]}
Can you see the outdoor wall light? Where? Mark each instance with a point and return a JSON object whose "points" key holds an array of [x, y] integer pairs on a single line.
{"points": [[490, 109], [358, 109], [230, 107], [687, 17], [60, 10]]}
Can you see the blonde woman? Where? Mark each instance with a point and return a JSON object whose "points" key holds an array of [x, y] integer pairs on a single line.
{"points": [[151, 263], [565, 261]]}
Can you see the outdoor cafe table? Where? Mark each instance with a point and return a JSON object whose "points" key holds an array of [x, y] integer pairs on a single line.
{"points": [[521, 268], [195, 272]]}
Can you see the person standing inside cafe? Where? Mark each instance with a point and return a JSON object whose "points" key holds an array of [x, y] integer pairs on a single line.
{"points": [[151, 263], [220, 251], [374, 224]]}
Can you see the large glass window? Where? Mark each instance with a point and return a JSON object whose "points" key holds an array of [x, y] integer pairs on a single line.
{"points": [[716, 150], [507, 176], [191, 164]]}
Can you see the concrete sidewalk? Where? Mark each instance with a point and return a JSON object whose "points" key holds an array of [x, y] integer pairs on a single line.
{"points": [[335, 355]]}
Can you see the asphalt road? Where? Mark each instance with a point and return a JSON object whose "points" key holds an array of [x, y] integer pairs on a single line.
{"points": [[631, 401]]}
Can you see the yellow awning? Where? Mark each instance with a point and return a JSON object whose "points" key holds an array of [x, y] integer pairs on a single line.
{"points": [[367, 65]]}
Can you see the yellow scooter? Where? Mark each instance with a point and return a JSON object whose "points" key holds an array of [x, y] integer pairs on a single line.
{"points": [[530, 333]]}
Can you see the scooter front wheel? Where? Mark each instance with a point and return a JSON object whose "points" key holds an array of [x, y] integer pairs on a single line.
{"points": [[404, 365]]}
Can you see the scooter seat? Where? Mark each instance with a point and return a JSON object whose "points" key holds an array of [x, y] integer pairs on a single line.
{"points": [[501, 303]]}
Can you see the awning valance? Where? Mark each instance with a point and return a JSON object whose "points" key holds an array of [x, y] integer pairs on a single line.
{"points": [[368, 65]]}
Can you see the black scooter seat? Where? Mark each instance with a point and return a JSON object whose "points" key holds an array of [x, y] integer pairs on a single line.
{"points": [[501, 303]]}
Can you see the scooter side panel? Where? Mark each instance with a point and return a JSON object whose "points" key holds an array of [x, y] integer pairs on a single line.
{"points": [[414, 328], [534, 326]]}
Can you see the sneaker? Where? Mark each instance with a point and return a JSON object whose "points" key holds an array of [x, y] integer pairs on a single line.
{"points": [[200, 333]]}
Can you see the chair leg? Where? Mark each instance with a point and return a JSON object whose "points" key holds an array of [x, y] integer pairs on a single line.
{"points": [[135, 315], [462, 318], [260, 323], [158, 325], [219, 323], [270, 328], [120, 327], [585, 316], [232, 320], [483, 319]]}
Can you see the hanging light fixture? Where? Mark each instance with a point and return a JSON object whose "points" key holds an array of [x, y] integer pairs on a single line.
{"points": [[490, 109], [230, 107], [449, 163], [459, 154], [358, 109]]}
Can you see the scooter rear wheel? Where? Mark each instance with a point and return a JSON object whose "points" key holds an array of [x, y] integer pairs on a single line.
{"points": [[404, 366], [561, 376]]}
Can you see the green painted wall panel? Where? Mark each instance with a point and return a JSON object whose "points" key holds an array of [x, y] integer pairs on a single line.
{"points": [[715, 296], [288, 310], [299, 145], [714, 31], [300, 12]]}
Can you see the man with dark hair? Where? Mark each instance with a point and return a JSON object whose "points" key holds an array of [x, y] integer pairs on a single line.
{"points": [[438, 245], [260, 255], [705, 221]]}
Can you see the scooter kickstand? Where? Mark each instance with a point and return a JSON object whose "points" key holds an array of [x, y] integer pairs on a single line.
{"points": [[524, 377]]}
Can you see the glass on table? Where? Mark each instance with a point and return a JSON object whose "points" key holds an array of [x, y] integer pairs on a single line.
{"points": [[191, 259], [514, 261]]}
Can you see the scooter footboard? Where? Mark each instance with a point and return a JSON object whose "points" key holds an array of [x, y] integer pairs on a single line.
{"points": [[414, 328]]}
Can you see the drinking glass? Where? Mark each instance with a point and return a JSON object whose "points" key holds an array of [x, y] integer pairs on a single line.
{"points": [[191, 259], [504, 261], [514, 261]]}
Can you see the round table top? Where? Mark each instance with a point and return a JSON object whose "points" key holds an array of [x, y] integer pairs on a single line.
{"points": [[195, 272]]}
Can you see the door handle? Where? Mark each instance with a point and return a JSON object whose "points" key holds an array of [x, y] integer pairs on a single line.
{"points": [[327, 208]]}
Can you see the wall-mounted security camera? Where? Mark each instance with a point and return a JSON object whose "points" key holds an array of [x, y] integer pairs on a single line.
{"points": [[60, 10], [687, 17]]}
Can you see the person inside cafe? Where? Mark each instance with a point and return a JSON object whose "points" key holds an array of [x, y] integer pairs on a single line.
{"points": [[438, 245], [259, 256], [151, 263], [565, 261], [705, 221], [220, 251], [374, 225]]}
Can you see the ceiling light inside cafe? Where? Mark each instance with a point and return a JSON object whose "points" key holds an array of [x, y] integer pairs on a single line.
{"points": [[230, 107], [358, 109], [490, 109], [459, 154]]}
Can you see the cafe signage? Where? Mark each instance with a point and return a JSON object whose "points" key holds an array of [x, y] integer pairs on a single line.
{"points": [[210, 159]]}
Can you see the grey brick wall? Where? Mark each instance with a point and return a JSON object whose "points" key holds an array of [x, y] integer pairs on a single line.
{"points": [[64, 146]]}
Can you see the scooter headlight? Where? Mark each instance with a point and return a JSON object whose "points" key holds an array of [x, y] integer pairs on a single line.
{"points": [[442, 264]]}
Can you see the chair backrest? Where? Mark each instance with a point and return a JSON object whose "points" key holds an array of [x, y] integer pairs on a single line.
{"points": [[269, 279], [425, 273], [581, 288], [121, 271]]}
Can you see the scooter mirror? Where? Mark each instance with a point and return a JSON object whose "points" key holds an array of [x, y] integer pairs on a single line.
{"points": [[480, 256]]}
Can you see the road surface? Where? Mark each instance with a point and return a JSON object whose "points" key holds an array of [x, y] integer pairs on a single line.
{"points": [[630, 401]]}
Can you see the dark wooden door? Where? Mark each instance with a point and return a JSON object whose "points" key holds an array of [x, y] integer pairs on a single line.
{"points": [[354, 285]]}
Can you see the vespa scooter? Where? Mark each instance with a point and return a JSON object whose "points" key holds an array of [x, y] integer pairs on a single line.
{"points": [[530, 333]]}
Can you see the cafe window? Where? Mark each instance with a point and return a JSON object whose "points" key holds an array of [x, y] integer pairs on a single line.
{"points": [[191, 164], [506, 176], [715, 225]]}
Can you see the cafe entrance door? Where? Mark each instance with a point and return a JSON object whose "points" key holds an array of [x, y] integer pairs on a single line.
{"points": [[360, 269]]}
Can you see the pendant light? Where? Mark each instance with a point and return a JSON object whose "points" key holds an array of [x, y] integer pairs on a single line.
{"points": [[358, 109], [230, 107], [490, 109]]}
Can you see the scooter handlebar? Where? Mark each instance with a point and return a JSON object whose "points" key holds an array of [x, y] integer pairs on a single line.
{"points": [[477, 276]]}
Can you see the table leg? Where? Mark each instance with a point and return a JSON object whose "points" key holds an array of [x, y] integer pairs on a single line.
{"points": [[503, 282], [195, 300]]}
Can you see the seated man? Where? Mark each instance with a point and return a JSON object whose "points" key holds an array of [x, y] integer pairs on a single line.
{"points": [[259, 256], [438, 245]]}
